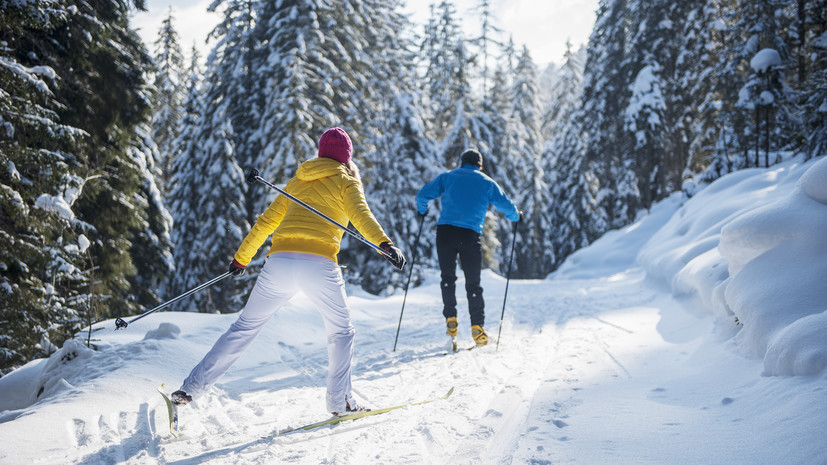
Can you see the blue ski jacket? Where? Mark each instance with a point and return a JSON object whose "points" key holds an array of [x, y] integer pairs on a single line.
{"points": [[466, 194]]}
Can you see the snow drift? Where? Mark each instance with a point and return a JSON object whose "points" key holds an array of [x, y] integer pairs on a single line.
{"points": [[750, 249]]}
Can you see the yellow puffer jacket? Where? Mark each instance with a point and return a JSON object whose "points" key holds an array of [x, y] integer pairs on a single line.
{"points": [[323, 184]]}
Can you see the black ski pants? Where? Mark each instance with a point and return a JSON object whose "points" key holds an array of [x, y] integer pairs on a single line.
{"points": [[453, 242]]}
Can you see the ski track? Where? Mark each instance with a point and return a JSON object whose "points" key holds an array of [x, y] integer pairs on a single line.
{"points": [[120, 437]]}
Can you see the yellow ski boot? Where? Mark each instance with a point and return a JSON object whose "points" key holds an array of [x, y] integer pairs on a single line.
{"points": [[479, 335], [451, 324]]}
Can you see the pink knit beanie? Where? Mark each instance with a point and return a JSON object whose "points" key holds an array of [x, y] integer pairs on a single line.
{"points": [[335, 144]]}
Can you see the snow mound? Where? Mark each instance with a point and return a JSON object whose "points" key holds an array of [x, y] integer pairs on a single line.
{"points": [[777, 267], [164, 331], [799, 348], [68, 363], [749, 249], [814, 182]]}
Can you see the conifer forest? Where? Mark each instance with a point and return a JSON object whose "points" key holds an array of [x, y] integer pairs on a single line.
{"points": [[122, 165]]}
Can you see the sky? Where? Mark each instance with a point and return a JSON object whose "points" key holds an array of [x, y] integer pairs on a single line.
{"points": [[543, 26], [630, 353]]}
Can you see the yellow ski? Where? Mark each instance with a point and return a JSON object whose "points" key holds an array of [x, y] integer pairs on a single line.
{"points": [[172, 410], [354, 416]]}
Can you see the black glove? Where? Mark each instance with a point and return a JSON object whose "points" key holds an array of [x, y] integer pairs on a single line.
{"points": [[237, 269], [422, 214], [394, 255]]}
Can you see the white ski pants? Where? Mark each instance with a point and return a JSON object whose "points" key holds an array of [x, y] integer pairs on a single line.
{"points": [[284, 274]]}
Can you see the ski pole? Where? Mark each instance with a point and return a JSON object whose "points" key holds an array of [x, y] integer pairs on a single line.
{"points": [[121, 324], [410, 272], [253, 176], [507, 279]]}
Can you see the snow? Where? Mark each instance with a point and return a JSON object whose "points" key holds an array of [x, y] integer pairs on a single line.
{"points": [[764, 60], [83, 243], [630, 353], [30, 74], [55, 204]]}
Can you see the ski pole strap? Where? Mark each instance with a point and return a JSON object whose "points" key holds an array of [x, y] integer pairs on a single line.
{"points": [[253, 176], [121, 324]]}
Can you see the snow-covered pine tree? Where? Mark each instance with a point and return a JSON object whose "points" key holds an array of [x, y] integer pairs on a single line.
{"points": [[366, 32], [405, 157], [765, 96], [737, 130], [645, 122], [183, 187], [471, 125], [525, 183], [562, 157], [498, 101], [696, 100], [101, 64], [645, 114], [563, 92], [42, 267], [815, 93], [611, 183], [232, 90], [488, 41], [208, 206], [718, 118], [170, 91], [151, 247], [222, 220], [293, 71], [396, 153], [446, 80], [87, 162]]}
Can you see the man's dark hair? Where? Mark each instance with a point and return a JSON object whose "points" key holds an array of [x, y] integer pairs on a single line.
{"points": [[473, 157]]}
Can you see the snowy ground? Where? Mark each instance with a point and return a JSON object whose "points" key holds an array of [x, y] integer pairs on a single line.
{"points": [[599, 364]]}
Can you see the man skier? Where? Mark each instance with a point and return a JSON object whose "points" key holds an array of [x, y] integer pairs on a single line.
{"points": [[466, 194]]}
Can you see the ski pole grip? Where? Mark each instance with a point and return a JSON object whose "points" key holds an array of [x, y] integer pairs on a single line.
{"points": [[252, 175]]}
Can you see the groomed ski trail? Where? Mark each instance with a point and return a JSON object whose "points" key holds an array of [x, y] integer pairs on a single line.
{"points": [[542, 347]]}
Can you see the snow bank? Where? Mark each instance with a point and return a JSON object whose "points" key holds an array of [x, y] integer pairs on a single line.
{"points": [[777, 263], [750, 249]]}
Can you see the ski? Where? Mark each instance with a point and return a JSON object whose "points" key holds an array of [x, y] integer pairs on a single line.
{"points": [[354, 416], [172, 410], [456, 349]]}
